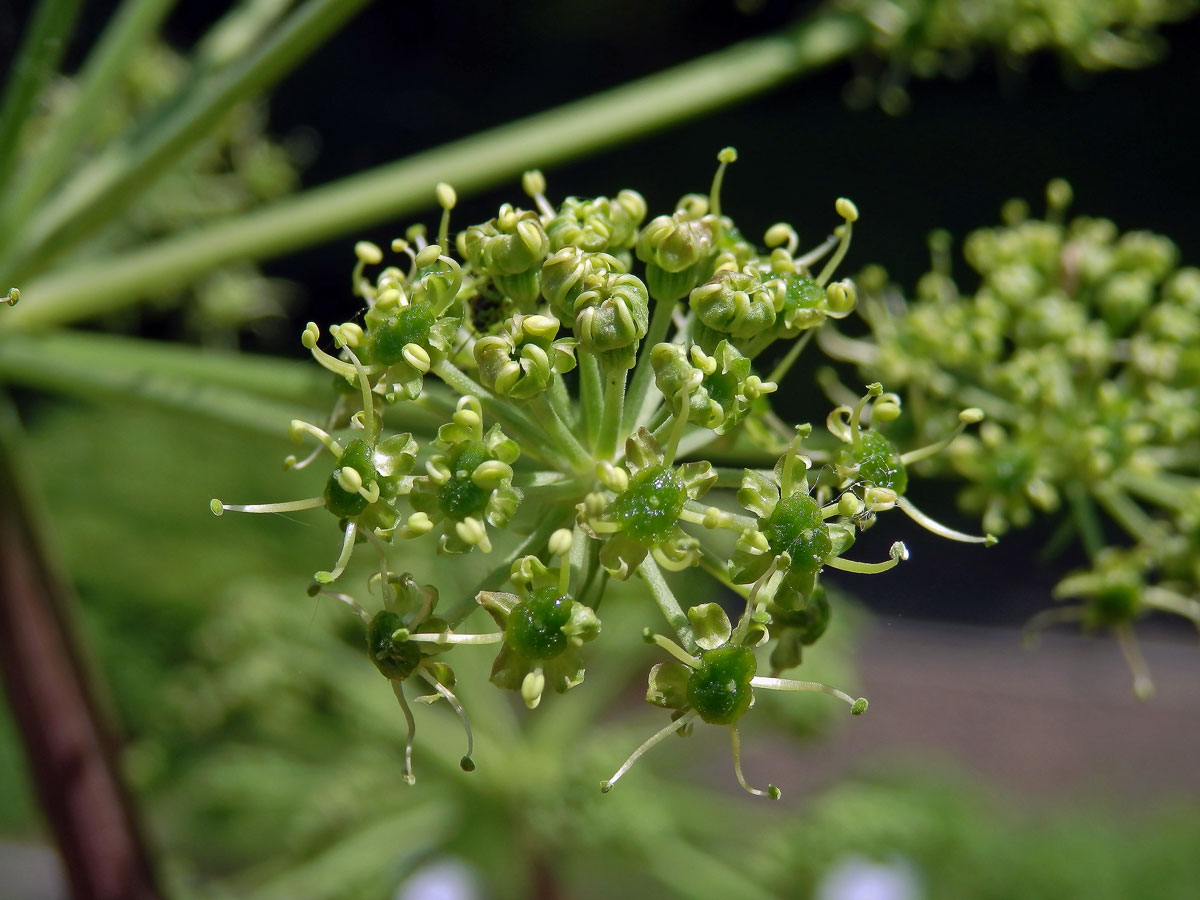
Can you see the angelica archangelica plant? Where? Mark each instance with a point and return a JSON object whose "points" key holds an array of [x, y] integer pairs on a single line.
{"points": [[587, 398], [1082, 343]]}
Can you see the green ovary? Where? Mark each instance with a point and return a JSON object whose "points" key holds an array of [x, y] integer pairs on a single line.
{"points": [[719, 690], [395, 659], [1114, 606], [460, 497], [358, 455], [535, 625], [408, 325], [795, 527], [878, 462], [649, 508]]}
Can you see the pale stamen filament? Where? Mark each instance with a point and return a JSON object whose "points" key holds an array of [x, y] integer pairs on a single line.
{"points": [[931, 524], [398, 690], [736, 739], [218, 507], [343, 558], [467, 764], [677, 725]]}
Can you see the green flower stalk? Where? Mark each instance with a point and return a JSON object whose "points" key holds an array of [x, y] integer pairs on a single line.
{"points": [[575, 422]]}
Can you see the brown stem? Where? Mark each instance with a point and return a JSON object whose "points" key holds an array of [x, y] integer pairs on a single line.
{"points": [[72, 757]]}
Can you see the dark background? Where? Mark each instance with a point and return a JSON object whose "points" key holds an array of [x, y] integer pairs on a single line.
{"points": [[406, 77]]}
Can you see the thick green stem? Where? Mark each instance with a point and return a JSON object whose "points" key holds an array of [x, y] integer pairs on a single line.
{"points": [[615, 116], [591, 396], [122, 369], [567, 444], [660, 322], [610, 422]]}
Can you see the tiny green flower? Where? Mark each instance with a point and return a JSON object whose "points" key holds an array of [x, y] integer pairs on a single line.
{"points": [[519, 361], [736, 304], [643, 516], [402, 640], [509, 249], [725, 389], [468, 485], [543, 629], [597, 225], [717, 686]]}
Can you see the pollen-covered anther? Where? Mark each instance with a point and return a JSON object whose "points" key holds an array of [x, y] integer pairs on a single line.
{"points": [[467, 418], [971, 416], [594, 504], [491, 473], [368, 253], [879, 499], [532, 687], [846, 209], [418, 524], [473, 532], [416, 356], [349, 480], [389, 299], [447, 197], [615, 478], [849, 505], [754, 387], [428, 255], [560, 542], [348, 334]]}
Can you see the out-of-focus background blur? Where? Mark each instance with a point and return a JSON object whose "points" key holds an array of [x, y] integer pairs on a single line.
{"points": [[266, 756]]}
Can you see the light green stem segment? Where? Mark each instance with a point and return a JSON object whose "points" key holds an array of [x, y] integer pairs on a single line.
{"points": [[43, 46], [1083, 511], [257, 394], [561, 435], [108, 183], [640, 107], [610, 422], [124, 35], [635, 398], [792, 355], [667, 603], [591, 396]]}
